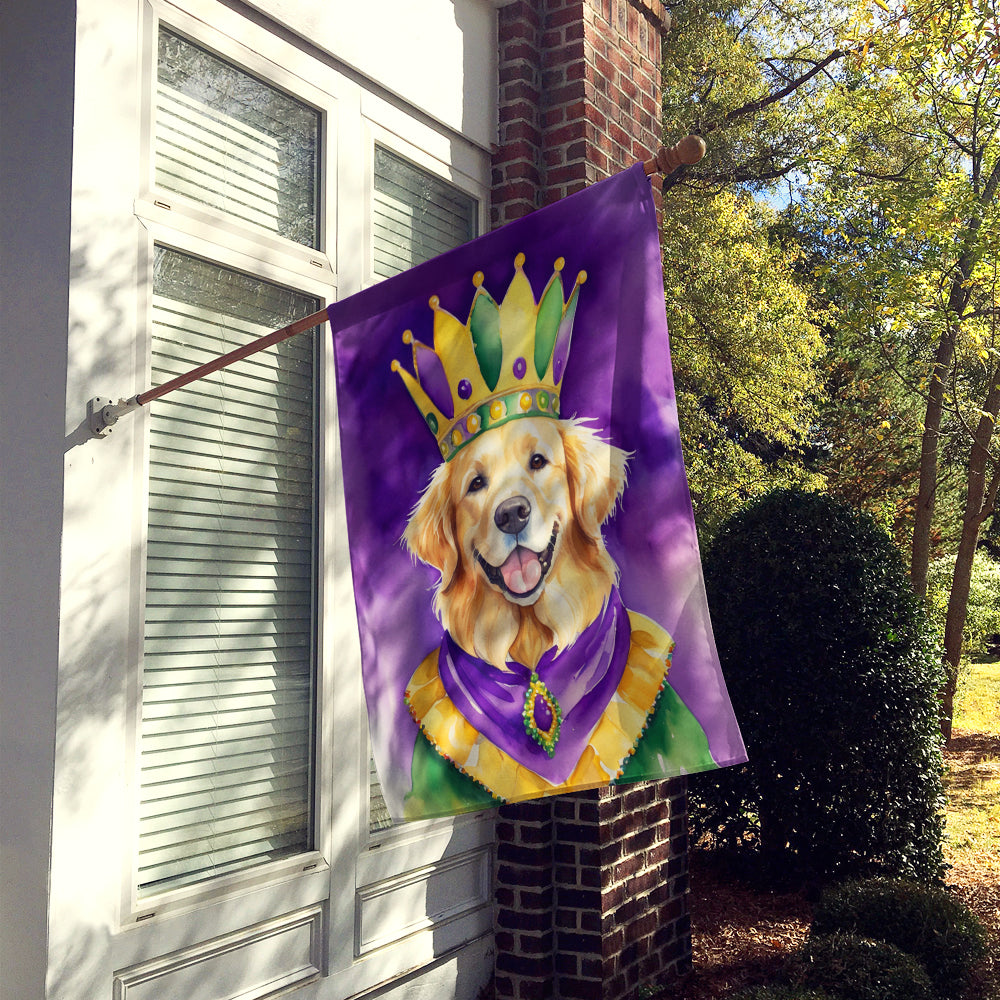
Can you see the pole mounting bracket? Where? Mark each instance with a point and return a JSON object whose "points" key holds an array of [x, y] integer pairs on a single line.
{"points": [[103, 413]]}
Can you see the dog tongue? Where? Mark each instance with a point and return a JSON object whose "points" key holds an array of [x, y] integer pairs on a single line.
{"points": [[522, 571]]}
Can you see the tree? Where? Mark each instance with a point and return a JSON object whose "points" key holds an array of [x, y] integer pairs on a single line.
{"points": [[881, 122], [867, 431], [746, 75], [913, 185], [746, 355]]}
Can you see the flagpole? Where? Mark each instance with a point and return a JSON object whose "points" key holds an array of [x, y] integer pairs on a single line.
{"points": [[103, 413]]}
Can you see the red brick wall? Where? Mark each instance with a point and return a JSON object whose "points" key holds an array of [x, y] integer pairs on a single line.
{"points": [[579, 96], [591, 893], [591, 889]]}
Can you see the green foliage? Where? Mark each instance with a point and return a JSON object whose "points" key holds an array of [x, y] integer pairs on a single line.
{"points": [[924, 921], [833, 672], [983, 612], [746, 350], [746, 356], [868, 424], [869, 428], [738, 73], [907, 185], [878, 126], [856, 968]]}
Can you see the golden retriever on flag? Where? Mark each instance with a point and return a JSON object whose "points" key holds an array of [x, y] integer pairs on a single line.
{"points": [[543, 681], [513, 524]]}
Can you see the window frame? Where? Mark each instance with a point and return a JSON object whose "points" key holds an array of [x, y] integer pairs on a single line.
{"points": [[348, 865], [386, 126], [274, 61], [137, 909], [177, 223]]}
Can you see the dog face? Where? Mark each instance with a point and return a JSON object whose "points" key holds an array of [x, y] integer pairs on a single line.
{"points": [[513, 524], [511, 499]]}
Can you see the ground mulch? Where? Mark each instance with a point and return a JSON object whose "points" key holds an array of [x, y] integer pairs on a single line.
{"points": [[742, 934]]}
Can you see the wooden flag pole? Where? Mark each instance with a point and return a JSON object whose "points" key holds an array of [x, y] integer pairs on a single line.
{"points": [[260, 344], [103, 413]]}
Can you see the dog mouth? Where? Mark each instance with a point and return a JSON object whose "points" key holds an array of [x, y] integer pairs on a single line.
{"points": [[523, 571]]}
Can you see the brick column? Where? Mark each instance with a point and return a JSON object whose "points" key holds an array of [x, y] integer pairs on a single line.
{"points": [[591, 889], [524, 901], [579, 96], [621, 884]]}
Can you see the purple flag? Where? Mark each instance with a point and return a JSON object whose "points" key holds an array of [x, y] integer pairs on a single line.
{"points": [[526, 573]]}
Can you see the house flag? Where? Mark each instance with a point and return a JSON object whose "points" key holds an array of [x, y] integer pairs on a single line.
{"points": [[526, 574]]}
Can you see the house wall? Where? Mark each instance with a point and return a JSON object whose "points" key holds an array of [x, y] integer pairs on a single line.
{"points": [[78, 226], [590, 889], [36, 116], [579, 96], [428, 54]]}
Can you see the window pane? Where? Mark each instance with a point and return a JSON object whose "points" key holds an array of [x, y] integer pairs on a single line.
{"points": [[228, 140], [228, 659], [417, 215]]}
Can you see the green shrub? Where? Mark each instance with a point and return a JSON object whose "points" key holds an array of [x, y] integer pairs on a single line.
{"points": [[925, 922], [983, 611], [856, 968], [833, 673]]}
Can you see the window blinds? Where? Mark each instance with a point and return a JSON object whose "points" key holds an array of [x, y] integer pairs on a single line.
{"points": [[230, 141], [227, 681], [416, 216]]}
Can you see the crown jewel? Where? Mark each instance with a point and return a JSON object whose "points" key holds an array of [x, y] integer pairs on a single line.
{"points": [[506, 361]]}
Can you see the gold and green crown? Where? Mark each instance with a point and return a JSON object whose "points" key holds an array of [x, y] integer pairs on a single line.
{"points": [[507, 361]]}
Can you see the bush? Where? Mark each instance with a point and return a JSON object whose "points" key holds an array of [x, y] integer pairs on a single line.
{"points": [[833, 673], [982, 620], [856, 968], [927, 923]]}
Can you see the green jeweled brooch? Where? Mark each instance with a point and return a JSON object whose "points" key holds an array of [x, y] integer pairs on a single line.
{"points": [[542, 715]]}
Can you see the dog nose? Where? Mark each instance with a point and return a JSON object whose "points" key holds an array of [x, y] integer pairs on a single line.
{"points": [[512, 515]]}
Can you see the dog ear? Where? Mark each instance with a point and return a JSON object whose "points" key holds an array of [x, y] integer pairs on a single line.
{"points": [[430, 532], [596, 471]]}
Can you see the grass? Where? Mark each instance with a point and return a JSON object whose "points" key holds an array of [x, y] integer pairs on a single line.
{"points": [[978, 697], [973, 782], [973, 810]]}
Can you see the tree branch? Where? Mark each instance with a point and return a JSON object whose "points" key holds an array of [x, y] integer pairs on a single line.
{"points": [[754, 106], [899, 176]]}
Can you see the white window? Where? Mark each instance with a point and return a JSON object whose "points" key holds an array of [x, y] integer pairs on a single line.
{"points": [[275, 183], [233, 142], [228, 661], [416, 216], [229, 664]]}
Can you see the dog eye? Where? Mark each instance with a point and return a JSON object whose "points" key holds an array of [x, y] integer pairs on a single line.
{"points": [[477, 484], [538, 461]]}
